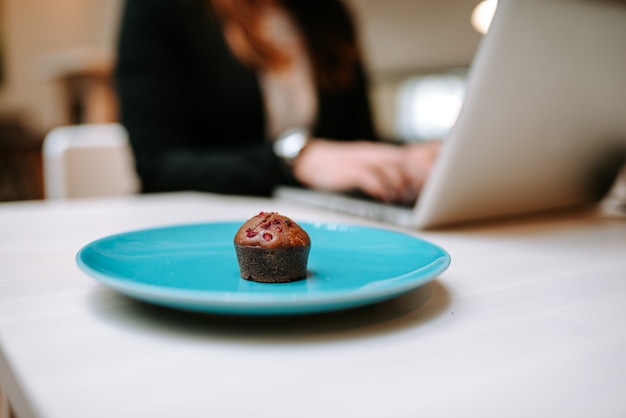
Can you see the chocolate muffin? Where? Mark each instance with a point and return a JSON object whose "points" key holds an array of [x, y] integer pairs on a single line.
{"points": [[272, 248]]}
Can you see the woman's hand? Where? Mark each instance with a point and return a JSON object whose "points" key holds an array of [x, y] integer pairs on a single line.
{"points": [[386, 172], [419, 159]]}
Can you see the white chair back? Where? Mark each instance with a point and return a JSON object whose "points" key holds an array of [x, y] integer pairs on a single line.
{"points": [[87, 161]]}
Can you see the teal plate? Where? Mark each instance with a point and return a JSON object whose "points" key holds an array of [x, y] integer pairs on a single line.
{"points": [[194, 267]]}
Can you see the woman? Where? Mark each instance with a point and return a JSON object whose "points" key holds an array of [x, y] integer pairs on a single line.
{"points": [[208, 87]]}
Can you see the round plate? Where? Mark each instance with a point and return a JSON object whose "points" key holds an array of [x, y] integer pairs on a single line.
{"points": [[194, 267]]}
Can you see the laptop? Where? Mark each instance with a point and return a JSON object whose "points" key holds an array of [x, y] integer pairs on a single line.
{"points": [[542, 126]]}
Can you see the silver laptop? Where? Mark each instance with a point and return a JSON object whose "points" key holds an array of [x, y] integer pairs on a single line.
{"points": [[543, 123]]}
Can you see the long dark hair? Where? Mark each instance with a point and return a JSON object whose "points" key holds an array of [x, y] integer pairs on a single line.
{"points": [[326, 26]]}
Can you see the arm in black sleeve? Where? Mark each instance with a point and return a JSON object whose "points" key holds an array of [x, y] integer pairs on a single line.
{"points": [[193, 114]]}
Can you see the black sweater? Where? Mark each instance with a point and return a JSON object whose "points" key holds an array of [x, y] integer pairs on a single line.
{"points": [[195, 114]]}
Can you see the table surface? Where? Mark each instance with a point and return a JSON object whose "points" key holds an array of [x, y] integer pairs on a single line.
{"points": [[529, 320]]}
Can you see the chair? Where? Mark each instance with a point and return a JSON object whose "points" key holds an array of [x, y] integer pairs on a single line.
{"points": [[87, 161]]}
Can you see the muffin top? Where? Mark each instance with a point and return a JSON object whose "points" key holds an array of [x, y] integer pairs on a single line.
{"points": [[271, 230]]}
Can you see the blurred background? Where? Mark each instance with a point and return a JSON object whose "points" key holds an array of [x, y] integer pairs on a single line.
{"points": [[56, 58]]}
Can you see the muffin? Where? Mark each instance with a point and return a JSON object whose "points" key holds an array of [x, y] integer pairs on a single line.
{"points": [[272, 248]]}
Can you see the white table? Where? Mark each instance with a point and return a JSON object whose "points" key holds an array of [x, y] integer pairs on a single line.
{"points": [[529, 320]]}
